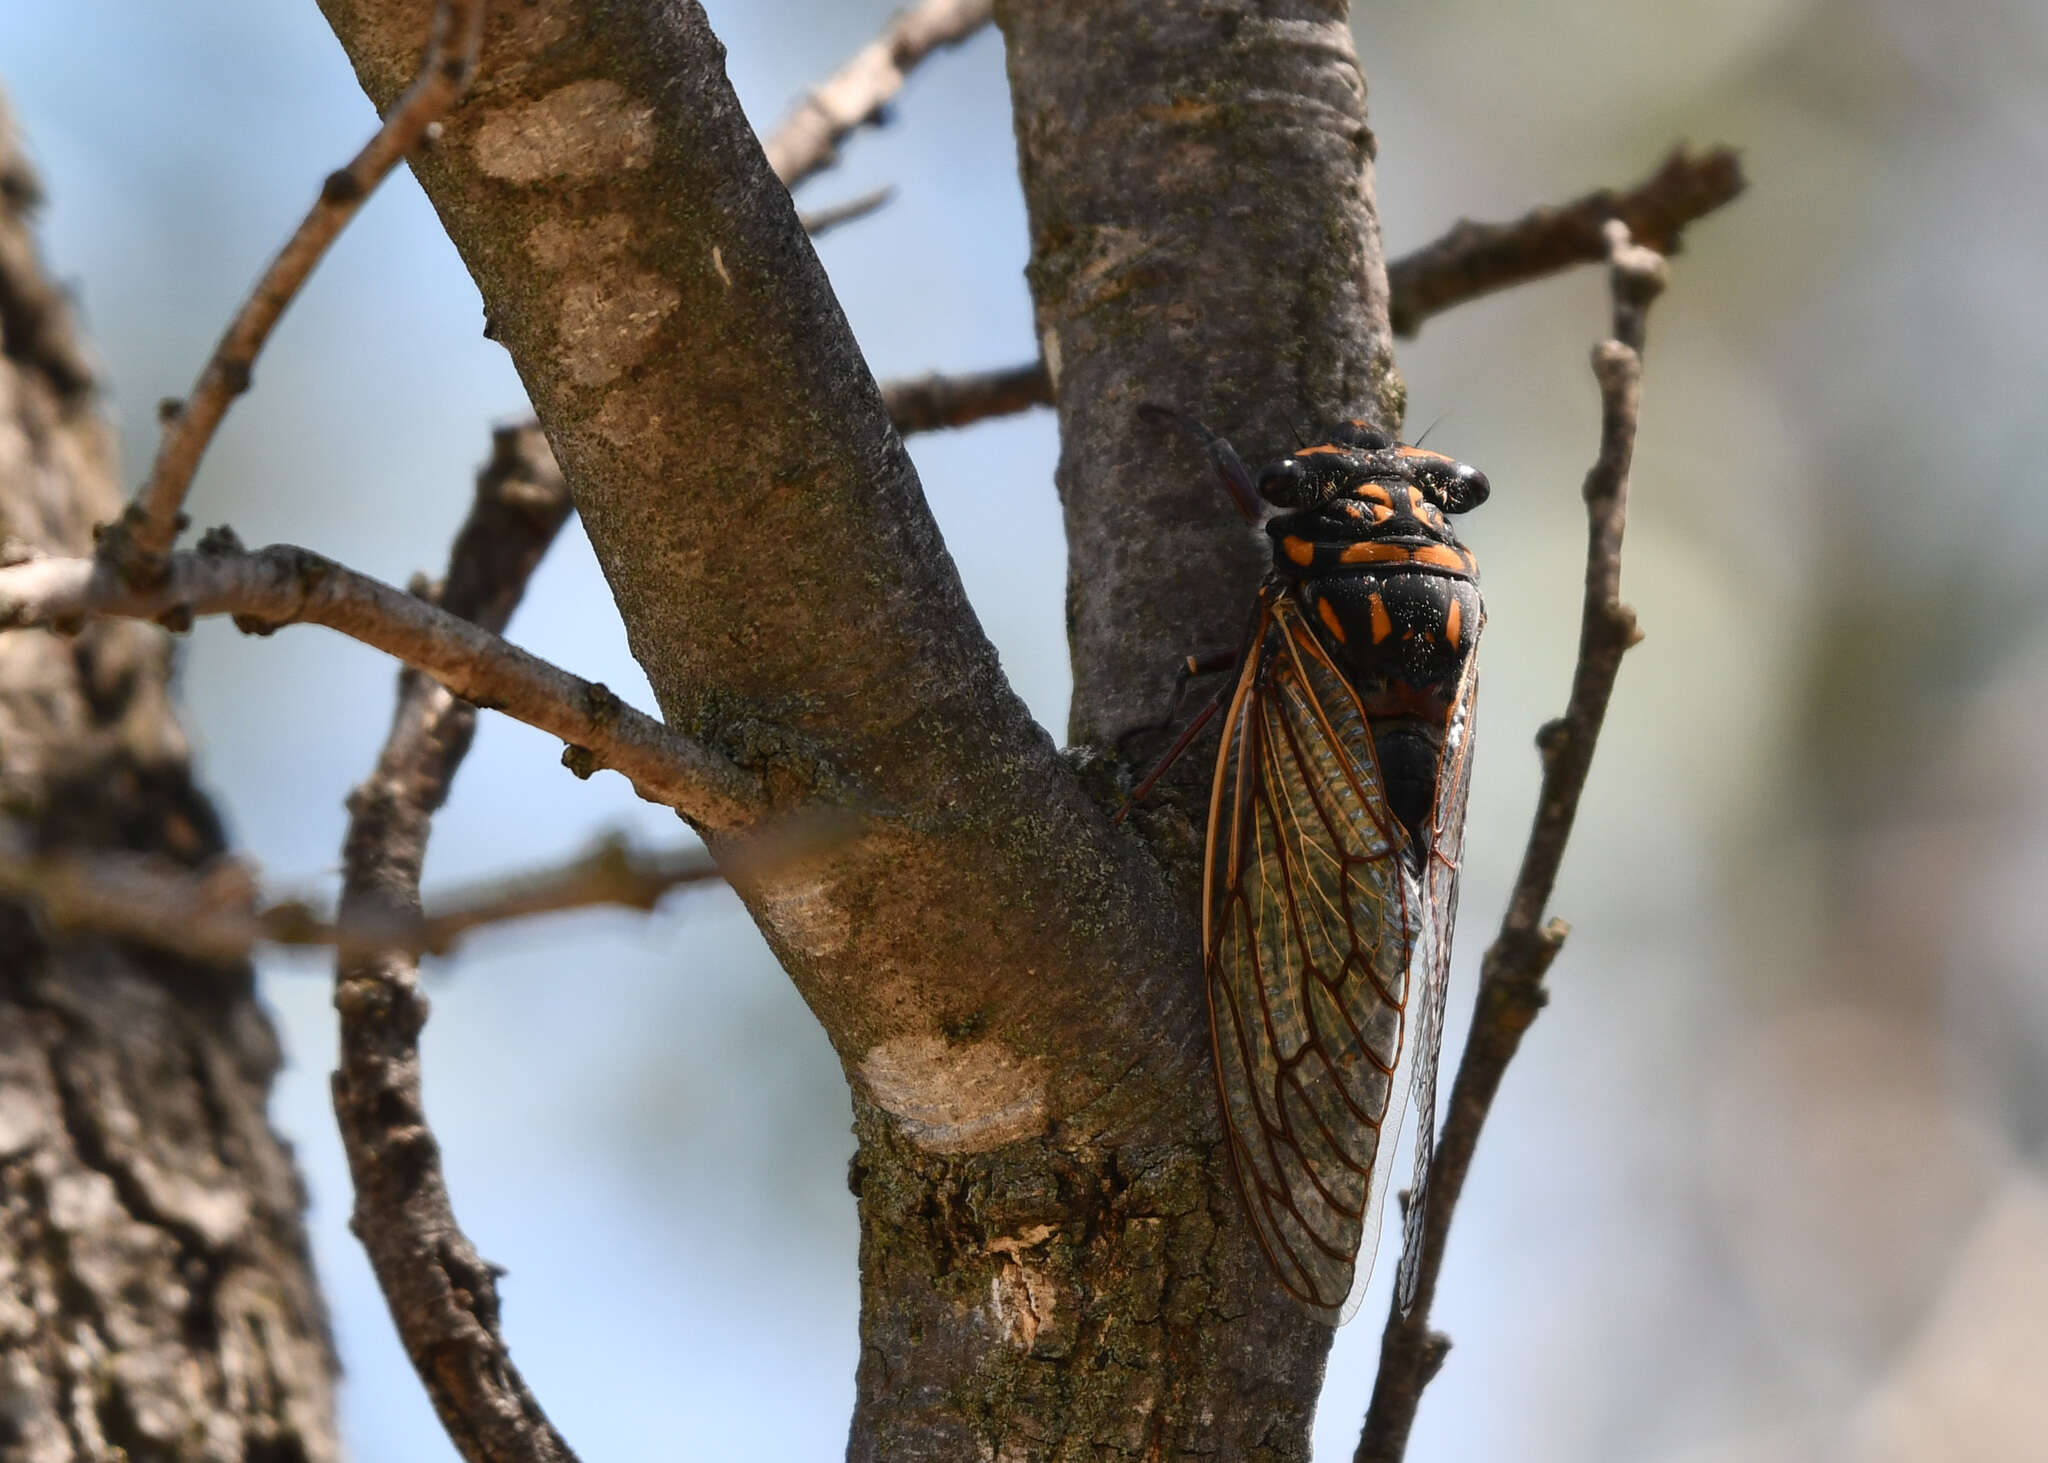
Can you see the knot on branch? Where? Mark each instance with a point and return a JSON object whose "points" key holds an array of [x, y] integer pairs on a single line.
{"points": [[1636, 275], [1436, 1349], [1616, 365], [124, 547], [219, 542]]}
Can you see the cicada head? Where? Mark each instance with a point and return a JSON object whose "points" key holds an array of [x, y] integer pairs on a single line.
{"points": [[1356, 453]]}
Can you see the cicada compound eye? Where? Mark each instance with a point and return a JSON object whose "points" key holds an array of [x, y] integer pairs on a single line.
{"points": [[1458, 486], [1285, 484]]}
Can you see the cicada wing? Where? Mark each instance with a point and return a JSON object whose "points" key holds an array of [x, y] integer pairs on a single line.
{"points": [[1312, 920], [1433, 959]]}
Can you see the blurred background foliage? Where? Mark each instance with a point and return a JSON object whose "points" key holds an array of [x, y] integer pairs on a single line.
{"points": [[1767, 1182]]}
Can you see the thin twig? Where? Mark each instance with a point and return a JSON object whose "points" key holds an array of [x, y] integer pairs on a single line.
{"points": [[822, 221], [265, 589], [1471, 260], [807, 140], [210, 916], [928, 403], [151, 523], [1511, 989], [1476, 259], [443, 1296]]}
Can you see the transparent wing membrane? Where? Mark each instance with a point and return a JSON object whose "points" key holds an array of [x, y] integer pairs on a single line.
{"points": [[1314, 924]]}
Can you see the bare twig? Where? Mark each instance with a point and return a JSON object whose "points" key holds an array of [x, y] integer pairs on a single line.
{"points": [[211, 916], [822, 221], [1511, 988], [807, 140], [150, 525], [265, 589], [1471, 260], [1476, 259], [443, 1296], [928, 403]]}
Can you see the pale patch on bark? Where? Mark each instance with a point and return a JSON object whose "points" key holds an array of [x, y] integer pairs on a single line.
{"points": [[625, 420], [606, 326], [583, 130], [557, 243], [951, 1098], [1024, 1297], [809, 913], [1022, 1300], [533, 28], [1049, 348]]}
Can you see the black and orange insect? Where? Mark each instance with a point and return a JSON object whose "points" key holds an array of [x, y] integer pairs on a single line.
{"points": [[1336, 819]]}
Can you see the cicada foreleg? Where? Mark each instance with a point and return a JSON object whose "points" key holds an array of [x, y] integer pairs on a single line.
{"points": [[1193, 668]]}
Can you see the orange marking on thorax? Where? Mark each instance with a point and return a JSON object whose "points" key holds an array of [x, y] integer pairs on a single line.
{"points": [[1298, 549], [1382, 623], [1325, 451], [1441, 556], [1327, 612], [1373, 553], [1454, 622]]}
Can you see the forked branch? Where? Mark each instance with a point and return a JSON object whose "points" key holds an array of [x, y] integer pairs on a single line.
{"points": [[1511, 988], [146, 531]]}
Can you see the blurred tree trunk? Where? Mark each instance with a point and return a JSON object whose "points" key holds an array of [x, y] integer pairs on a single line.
{"points": [[156, 1295]]}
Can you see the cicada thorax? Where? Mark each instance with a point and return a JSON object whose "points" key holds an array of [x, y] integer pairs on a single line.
{"points": [[1368, 552]]}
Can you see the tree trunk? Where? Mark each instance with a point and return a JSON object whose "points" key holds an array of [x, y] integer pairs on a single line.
{"points": [[156, 1295]]}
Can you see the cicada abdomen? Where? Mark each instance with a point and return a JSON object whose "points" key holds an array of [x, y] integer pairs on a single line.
{"points": [[1335, 828]]}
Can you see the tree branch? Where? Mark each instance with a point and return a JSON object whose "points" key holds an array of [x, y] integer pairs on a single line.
{"points": [[211, 917], [443, 1296], [929, 403], [1511, 988], [1473, 259], [1476, 259], [266, 589], [807, 140], [151, 524], [817, 222]]}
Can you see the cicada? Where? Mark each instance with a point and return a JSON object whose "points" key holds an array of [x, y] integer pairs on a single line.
{"points": [[1336, 819]]}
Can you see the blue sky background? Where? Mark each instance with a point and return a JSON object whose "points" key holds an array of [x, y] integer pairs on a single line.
{"points": [[1767, 1181]]}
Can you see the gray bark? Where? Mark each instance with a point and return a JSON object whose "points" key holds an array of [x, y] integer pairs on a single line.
{"points": [[156, 1296], [1053, 1261]]}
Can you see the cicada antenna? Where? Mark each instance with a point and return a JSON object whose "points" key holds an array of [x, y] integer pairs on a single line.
{"points": [[1229, 466]]}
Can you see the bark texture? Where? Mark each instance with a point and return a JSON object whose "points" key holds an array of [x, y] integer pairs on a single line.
{"points": [[156, 1295], [1053, 1261], [780, 576], [1203, 236]]}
